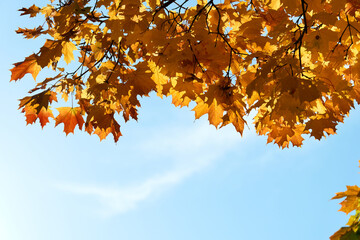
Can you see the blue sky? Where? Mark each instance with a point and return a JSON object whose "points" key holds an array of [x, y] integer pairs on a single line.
{"points": [[168, 177]]}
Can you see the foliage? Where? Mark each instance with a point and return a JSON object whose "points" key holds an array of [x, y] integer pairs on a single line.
{"points": [[293, 62], [350, 204]]}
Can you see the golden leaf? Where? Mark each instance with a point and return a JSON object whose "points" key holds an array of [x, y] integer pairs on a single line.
{"points": [[67, 50]]}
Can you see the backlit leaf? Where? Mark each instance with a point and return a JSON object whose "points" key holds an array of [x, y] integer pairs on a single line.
{"points": [[29, 65], [70, 117], [67, 50]]}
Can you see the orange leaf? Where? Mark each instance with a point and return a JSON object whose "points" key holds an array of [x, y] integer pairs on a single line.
{"points": [[32, 11], [30, 33], [44, 115], [352, 197], [103, 133], [70, 117], [31, 114], [29, 65]]}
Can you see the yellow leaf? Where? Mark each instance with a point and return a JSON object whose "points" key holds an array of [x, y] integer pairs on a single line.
{"points": [[159, 78], [47, 10], [200, 109], [67, 50], [216, 113], [275, 4], [352, 197], [319, 107], [201, 2]]}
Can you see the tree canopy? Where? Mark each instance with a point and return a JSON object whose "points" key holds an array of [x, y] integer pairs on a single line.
{"points": [[292, 62]]}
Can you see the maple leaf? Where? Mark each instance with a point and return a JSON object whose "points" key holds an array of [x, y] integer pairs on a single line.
{"points": [[318, 126], [70, 117], [32, 114], [67, 50], [38, 101], [159, 78], [200, 109], [345, 233], [275, 4], [216, 113], [351, 203], [32, 11], [234, 117], [30, 33], [352, 197], [29, 65], [44, 115], [49, 53]]}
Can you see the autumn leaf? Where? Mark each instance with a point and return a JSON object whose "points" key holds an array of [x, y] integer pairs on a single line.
{"points": [[29, 65], [352, 198], [67, 50], [49, 53], [39, 101], [200, 109], [32, 114], [349, 204], [345, 233], [153, 3], [70, 117], [44, 116], [32, 11], [159, 78], [216, 112], [275, 4], [30, 33]]}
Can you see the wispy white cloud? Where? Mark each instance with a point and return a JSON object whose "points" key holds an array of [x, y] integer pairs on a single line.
{"points": [[191, 150], [120, 200]]}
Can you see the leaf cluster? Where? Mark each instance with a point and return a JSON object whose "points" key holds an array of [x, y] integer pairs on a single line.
{"points": [[351, 203], [292, 62]]}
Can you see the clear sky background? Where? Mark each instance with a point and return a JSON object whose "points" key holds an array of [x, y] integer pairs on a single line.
{"points": [[168, 177]]}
